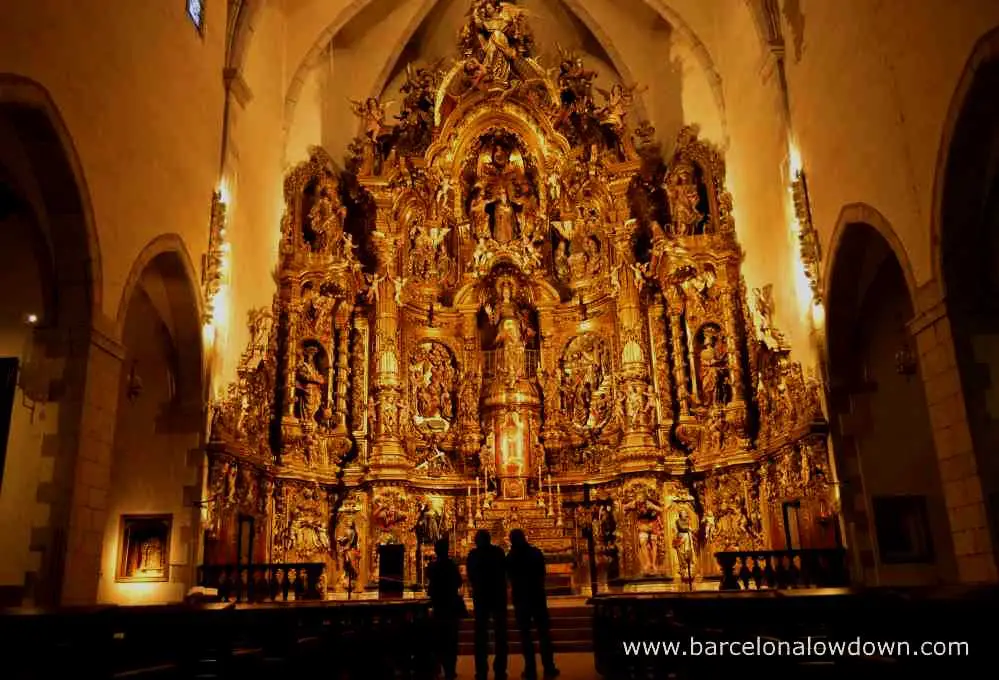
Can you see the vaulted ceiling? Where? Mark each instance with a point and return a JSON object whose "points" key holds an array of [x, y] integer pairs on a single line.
{"points": [[337, 50]]}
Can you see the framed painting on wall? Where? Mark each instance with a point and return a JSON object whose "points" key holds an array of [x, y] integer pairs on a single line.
{"points": [[144, 548]]}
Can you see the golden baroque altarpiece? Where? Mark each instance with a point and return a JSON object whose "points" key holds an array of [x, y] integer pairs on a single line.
{"points": [[510, 301]]}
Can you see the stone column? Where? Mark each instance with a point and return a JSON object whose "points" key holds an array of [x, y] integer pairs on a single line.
{"points": [[91, 476], [963, 488], [388, 457]]}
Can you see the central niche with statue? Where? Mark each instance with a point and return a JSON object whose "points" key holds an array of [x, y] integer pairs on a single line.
{"points": [[509, 303]]}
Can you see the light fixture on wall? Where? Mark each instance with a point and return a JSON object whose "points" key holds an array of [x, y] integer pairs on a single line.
{"points": [[905, 360], [133, 388]]}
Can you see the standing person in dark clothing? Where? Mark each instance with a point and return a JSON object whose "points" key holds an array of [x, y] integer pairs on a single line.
{"points": [[443, 584], [486, 567], [526, 566]]}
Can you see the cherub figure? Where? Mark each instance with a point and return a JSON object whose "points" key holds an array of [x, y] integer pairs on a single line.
{"points": [[374, 281], [400, 284]]}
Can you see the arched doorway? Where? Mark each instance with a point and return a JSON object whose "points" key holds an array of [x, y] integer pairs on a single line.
{"points": [[50, 283], [968, 241], [892, 493], [149, 548]]}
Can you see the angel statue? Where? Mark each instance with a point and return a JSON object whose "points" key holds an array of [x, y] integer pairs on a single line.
{"points": [[374, 281], [617, 103], [497, 20], [373, 113], [400, 286]]}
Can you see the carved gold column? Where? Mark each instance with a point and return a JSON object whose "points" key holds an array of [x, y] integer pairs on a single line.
{"points": [[662, 379], [359, 387], [471, 436], [674, 299], [737, 408], [549, 379], [388, 457], [342, 330], [638, 447]]}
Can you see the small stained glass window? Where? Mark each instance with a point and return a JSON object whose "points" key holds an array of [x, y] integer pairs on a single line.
{"points": [[196, 10]]}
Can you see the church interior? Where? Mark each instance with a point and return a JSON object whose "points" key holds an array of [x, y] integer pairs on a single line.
{"points": [[696, 294]]}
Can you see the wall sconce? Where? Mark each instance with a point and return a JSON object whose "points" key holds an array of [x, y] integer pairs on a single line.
{"points": [[905, 360], [134, 385]]}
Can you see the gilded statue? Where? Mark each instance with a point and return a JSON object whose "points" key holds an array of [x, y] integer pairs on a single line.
{"points": [[511, 333], [649, 530], [310, 382], [713, 368], [684, 545], [684, 198]]}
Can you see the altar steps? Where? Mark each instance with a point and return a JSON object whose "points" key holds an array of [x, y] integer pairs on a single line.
{"points": [[572, 631]]}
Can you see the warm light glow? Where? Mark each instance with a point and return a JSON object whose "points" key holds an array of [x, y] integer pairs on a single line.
{"points": [[802, 284], [818, 315], [794, 158], [32, 319], [224, 191]]}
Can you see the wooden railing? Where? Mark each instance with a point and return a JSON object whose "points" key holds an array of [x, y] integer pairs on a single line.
{"points": [[264, 582], [783, 569], [357, 640]]}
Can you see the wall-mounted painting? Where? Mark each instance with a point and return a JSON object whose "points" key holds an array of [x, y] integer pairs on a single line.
{"points": [[144, 548]]}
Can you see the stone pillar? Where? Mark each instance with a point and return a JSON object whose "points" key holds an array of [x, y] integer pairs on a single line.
{"points": [[388, 458], [91, 476], [963, 489]]}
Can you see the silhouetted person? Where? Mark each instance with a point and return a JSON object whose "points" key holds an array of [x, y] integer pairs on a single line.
{"points": [[443, 585], [486, 567], [526, 567]]}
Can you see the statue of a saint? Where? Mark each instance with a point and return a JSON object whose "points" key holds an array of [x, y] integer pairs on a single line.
{"points": [[509, 339], [310, 382], [683, 200], [504, 219], [648, 526], [683, 544]]}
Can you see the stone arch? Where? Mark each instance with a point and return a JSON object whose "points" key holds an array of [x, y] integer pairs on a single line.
{"points": [[862, 213], [880, 416], [965, 257], [45, 204], [159, 428], [985, 52], [51, 145]]}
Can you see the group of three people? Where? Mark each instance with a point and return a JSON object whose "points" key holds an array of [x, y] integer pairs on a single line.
{"points": [[488, 569]]}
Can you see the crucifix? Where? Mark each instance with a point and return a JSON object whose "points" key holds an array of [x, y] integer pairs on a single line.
{"points": [[588, 504]]}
